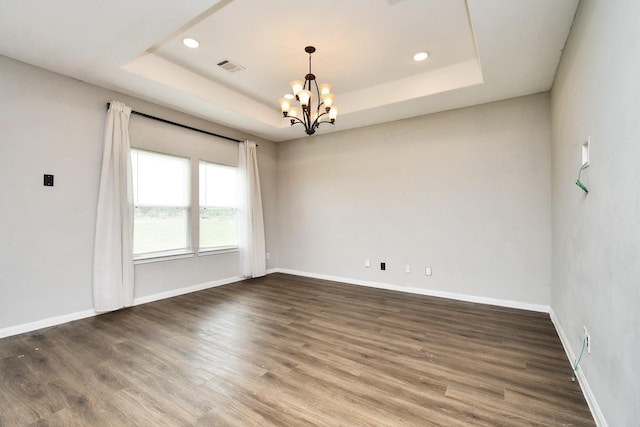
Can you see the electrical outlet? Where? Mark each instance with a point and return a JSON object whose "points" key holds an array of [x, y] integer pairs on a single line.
{"points": [[428, 271], [587, 340]]}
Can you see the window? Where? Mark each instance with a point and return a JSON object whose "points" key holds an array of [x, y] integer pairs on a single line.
{"points": [[162, 203], [218, 206]]}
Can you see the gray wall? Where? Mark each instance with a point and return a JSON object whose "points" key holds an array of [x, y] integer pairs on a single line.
{"points": [[54, 124], [596, 237], [466, 192]]}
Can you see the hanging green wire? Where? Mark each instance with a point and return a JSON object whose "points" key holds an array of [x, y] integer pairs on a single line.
{"points": [[576, 365], [578, 182]]}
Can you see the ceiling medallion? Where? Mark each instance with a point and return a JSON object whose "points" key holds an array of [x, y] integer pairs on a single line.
{"points": [[304, 95]]}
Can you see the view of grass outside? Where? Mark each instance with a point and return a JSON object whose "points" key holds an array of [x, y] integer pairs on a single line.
{"points": [[167, 229], [158, 229], [218, 227]]}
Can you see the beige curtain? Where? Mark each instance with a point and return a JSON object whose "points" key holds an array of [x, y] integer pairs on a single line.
{"points": [[113, 254], [250, 222]]}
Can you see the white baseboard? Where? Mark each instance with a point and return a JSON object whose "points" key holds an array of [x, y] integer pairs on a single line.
{"points": [[45, 323], [598, 416], [441, 294], [58, 320]]}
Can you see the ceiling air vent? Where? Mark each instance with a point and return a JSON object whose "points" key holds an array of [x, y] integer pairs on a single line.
{"points": [[230, 66]]}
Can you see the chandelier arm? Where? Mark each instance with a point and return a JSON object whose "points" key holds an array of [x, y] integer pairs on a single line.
{"points": [[319, 100], [295, 121], [310, 127], [305, 121], [317, 121], [306, 113]]}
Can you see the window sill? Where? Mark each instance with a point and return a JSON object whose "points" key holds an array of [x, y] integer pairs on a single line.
{"points": [[169, 256], [217, 251], [159, 257]]}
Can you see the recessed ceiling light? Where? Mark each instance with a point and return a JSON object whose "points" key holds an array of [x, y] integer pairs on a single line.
{"points": [[192, 43], [420, 56]]}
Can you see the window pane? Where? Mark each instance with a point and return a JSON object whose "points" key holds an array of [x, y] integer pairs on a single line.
{"points": [[218, 227], [161, 199], [158, 229], [217, 185], [218, 206], [159, 179]]}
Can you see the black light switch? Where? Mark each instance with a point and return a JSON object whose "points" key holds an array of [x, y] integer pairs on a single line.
{"points": [[48, 180], [383, 266]]}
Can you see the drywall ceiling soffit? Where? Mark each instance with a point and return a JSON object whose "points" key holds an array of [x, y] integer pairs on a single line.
{"points": [[480, 51]]}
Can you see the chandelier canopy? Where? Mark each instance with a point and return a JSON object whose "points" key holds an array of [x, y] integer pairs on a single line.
{"points": [[298, 106]]}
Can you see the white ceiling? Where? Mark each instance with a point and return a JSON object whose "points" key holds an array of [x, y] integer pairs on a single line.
{"points": [[480, 51]]}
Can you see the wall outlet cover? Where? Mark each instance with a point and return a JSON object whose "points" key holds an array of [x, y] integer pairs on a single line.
{"points": [[586, 146]]}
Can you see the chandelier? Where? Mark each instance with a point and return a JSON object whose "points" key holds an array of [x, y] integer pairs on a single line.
{"points": [[304, 95]]}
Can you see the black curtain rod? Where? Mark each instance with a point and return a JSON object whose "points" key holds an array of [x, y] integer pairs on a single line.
{"points": [[137, 113]]}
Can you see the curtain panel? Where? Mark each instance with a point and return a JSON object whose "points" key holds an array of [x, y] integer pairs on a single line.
{"points": [[113, 255], [251, 224]]}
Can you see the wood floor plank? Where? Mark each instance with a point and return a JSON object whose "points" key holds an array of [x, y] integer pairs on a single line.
{"points": [[285, 350]]}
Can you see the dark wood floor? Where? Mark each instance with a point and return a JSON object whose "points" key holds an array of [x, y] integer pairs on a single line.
{"points": [[290, 351]]}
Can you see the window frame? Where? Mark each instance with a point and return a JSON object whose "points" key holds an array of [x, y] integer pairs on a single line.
{"points": [[210, 250], [193, 214], [169, 254]]}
